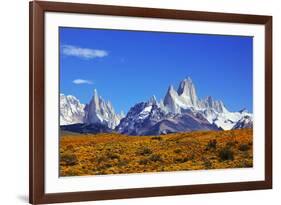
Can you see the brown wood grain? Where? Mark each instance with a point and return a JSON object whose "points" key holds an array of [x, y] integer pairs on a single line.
{"points": [[36, 98]]}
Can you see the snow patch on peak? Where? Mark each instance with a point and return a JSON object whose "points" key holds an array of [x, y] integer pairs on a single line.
{"points": [[145, 112]]}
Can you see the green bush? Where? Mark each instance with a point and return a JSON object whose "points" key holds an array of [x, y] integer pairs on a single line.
{"points": [[122, 163], [181, 160], [244, 147], [144, 151], [177, 151], [111, 155], [226, 154], [143, 161], [212, 145], [98, 160], [208, 164], [155, 158]]}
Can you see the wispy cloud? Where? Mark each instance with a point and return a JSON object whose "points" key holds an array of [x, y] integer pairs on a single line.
{"points": [[82, 81], [85, 53]]}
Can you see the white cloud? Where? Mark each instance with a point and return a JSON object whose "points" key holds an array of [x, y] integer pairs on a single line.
{"points": [[85, 53], [82, 81]]}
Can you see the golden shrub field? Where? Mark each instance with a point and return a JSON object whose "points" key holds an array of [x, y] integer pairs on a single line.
{"points": [[86, 154]]}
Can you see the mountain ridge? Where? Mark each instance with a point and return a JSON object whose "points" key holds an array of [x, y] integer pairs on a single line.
{"points": [[181, 110]]}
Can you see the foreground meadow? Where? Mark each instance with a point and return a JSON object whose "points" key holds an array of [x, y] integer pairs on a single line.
{"points": [[86, 154]]}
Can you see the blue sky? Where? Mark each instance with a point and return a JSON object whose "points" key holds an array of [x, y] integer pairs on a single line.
{"points": [[127, 67]]}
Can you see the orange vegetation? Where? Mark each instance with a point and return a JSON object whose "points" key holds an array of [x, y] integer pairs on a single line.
{"points": [[87, 154]]}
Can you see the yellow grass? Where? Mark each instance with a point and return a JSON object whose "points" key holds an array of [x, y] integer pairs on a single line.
{"points": [[116, 154]]}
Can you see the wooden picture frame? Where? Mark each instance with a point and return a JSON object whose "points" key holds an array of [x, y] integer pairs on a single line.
{"points": [[37, 193]]}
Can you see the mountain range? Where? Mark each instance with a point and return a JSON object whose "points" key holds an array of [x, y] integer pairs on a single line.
{"points": [[180, 111]]}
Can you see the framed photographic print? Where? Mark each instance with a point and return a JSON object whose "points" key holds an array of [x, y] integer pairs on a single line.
{"points": [[139, 102]]}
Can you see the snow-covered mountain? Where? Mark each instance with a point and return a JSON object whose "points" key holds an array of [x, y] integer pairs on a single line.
{"points": [[98, 111], [185, 98], [141, 118], [151, 118], [102, 112], [71, 110]]}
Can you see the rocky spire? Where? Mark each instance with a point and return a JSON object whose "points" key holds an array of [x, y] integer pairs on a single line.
{"points": [[170, 100], [217, 105], [187, 91], [153, 100], [100, 111]]}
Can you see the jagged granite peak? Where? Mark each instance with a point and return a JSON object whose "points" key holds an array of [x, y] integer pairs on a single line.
{"points": [[184, 98], [171, 88], [171, 100], [187, 91], [100, 111], [213, 110], [95, 95], [153, 100], [71, 110], [217, 105], [209, 101]]}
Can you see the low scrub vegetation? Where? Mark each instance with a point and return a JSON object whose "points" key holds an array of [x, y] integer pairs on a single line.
{"points": [[226, 154], [119, 154]]}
